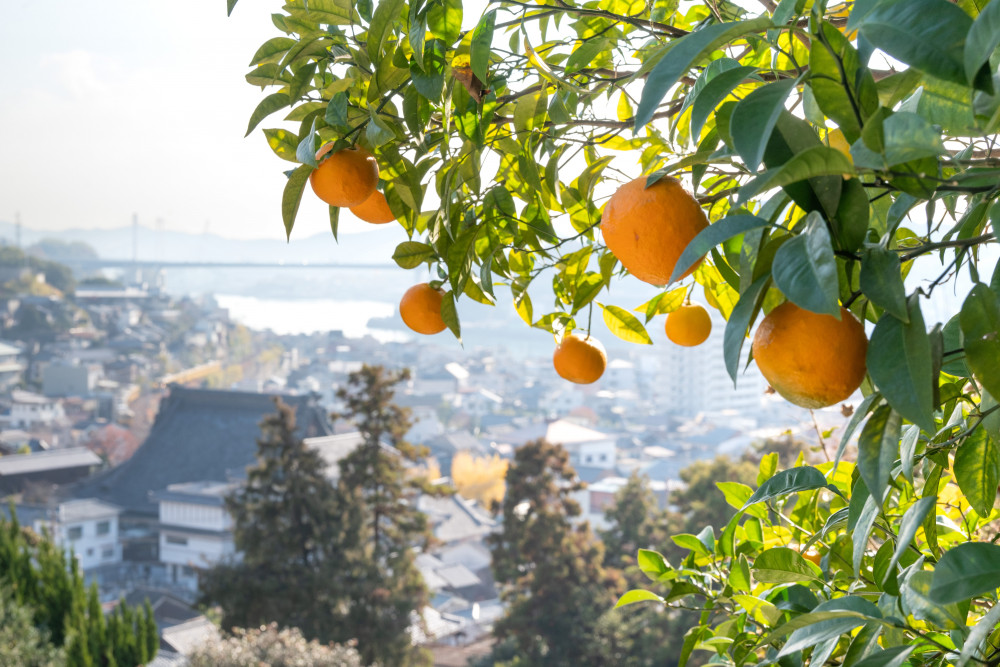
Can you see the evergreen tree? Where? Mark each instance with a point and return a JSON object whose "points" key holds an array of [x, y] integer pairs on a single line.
{"points": [[286, 524], [386, 589], [551, 572], [21, 643], [636, 522], [41, 578]]}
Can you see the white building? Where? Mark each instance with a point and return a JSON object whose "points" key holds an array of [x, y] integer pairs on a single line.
{"points": [[195, 529], [586, 447], [28, 410], [88, 527]]}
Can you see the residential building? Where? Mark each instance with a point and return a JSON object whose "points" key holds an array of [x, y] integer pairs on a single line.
{"points": [[88, 527], [29, 410], [56, 466]]}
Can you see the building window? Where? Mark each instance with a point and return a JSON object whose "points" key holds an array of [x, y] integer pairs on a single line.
{"points": [[103, 527], [75, 533], [604, 457], [174, 539], [107, 553], [90, 552]]}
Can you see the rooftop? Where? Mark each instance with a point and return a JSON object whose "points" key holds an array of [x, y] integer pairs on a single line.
{"points": [[54, 459]]}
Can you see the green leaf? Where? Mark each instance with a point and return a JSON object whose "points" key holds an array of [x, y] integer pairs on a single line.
{"points": [[411, 254], [283, 143], [882, 281], [292, 196], [625, 325], [305, 152], [782, 565], [965, 571], [739, 575], [862, 529], [912, 520], [803, 478], [850, 224], [977, 470], [716, 90], [899, 362], [378, 131], [387, 15], [907, 450], [585, 53], [805, 269], [652, 563], [973, 646], [878, 447], [664, 302], [272, 50], [754, 118], [980, 322], [482, 41], [713, 235], [691, 543], [926, 34], [827, 620], [859, 413], [890, 657], [428, 77], [267, 106], [638, 595], [917, 600], [740, 319], [844, 91], [230, 5], [449, 313], [810, 163], [444, 18], [982, 40], [908, 136], [679, 55], [334, 220]]}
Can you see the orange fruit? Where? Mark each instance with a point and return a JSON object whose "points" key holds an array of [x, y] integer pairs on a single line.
{"points": [[375, 209], [580, 358], [647, 229], [813, 556], [345, 178], [812, 360], [689, 325], [420, 309]]}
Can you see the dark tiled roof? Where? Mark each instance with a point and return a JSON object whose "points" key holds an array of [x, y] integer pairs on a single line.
{"points": [[199, 434]]}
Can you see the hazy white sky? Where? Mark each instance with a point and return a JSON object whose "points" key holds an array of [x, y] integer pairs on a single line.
{"points": [[118, 107]]}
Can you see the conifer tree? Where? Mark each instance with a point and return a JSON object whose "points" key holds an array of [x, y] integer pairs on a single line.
{"points": [[551, 571], [386, 589], [286, 525]]}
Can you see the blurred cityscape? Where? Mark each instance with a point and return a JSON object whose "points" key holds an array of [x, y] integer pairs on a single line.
{"points": [[130, 409]]}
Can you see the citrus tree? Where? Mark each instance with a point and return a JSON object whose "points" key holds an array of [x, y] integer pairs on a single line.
{"points": [[820, 170]]}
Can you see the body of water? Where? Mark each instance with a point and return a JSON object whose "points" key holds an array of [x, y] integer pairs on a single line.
{"points": [[305, 316]]}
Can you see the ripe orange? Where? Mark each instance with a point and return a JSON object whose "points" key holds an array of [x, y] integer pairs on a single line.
{"points": [[375, 209], [812, 360], [580, 358], [420, 309], [647, 229], [346, 178], [813, 556], [689, 325]]}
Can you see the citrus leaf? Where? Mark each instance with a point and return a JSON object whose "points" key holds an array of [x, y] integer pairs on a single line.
{"points": [[878, 447], [267, 106], [386, 16], [908, 136], [713, 235], [482, 41], [912, 520], [449, 313], [283, 143], [975, 639], [859, 413], [230, 5], [638, 595], [713, 93], [803, 478], [982, 39], [810, 163], [882, 281], [334, 220], [890, 657], [679, 55], [966, 571], [805, 269], [625, 325], [652, 563], [977, 470], [899, 362], [980, 322], [444, 19], [917, 599], [782, 565], [827, 620], [926, 34], [272, 50], [754, 118], [411, 254], [740, 319], [292, 196]]}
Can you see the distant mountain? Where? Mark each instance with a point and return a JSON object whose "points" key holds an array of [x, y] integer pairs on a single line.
{"points": [[375, 246]]}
